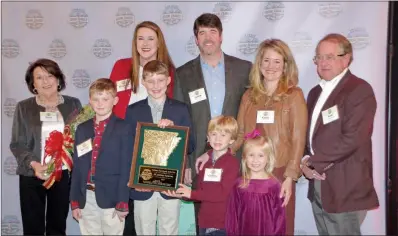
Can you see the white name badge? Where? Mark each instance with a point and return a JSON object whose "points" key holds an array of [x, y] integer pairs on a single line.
{"points": [[197, 95], [84, 148], [212, 175], [330, 115], [265, 117], [48, 116], [123, 85]]}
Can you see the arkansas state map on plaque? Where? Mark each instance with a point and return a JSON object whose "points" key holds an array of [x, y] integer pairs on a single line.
{"points": [[158, 145]]}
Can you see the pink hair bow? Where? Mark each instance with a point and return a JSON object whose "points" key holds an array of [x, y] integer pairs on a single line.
{"points": [[255, 133]]}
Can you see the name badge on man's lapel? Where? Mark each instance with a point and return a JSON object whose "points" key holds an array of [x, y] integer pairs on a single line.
{"points": [[212, 175], [84, 147], [197, 95], [265, 117], [123, 85], [330, 115], [48, 116]]}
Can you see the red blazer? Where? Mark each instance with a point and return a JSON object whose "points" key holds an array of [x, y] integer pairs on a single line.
{"points": [[343, 148], [122, 70]]}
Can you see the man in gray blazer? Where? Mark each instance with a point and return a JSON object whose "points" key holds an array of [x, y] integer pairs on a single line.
{"points": [[211, 84]]}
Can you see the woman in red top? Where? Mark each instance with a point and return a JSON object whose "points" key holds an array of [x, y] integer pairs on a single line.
{"points": [[148, 44]]}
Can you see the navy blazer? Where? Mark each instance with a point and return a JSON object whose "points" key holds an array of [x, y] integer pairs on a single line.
{"points": [[173, 110], [112, 170]]}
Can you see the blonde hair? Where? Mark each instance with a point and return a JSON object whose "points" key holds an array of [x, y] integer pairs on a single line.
{"points": [[267, 147], [289, 76], [344, 44], [155, 67], [102, 85], [162, 53], [226, 124]]}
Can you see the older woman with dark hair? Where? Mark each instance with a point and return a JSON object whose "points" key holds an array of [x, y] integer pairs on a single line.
{"points": [[34, 119]]}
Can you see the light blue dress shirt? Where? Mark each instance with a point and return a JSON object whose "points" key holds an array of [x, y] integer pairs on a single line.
{"points": [[215, 85]]}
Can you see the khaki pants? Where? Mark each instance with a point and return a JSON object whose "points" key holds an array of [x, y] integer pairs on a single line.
{"points": [[165, 212], [97, 221]]}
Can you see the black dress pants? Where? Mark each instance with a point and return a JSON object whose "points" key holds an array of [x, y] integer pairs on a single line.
{"points": [[33, 197]]}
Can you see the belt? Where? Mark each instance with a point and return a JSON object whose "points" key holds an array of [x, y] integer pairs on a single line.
{"points": [[90, 187]]}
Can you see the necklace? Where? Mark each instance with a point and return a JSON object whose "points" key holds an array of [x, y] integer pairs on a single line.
{"points": [[50, 108]]}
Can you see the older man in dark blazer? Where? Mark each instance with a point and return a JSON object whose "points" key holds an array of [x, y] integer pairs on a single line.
{"points": [[211, 84], [339, 147]]}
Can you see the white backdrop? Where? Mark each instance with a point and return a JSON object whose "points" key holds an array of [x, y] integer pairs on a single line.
{"points": [[86, 38]]}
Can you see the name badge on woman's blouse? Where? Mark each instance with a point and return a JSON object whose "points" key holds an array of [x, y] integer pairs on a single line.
{"points": [[265, 117], [212, 175], [123, 85], [48, 116], [84, 148]]}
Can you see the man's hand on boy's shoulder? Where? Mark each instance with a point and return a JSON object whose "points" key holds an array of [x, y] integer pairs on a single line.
{"points": [[201, 161], [164, 123]]}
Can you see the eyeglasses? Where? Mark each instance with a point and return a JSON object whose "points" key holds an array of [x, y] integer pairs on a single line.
{"points": [[328, 58]]}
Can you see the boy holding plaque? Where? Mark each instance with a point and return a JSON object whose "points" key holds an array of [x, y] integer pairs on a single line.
{"points": [[151, 207], [103, 147], [217, 178]]}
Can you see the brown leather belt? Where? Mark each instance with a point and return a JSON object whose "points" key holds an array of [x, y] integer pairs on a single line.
{"points": [[91, 187]]}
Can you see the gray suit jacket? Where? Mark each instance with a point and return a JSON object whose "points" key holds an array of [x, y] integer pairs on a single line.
{"points": [[26, 130], [189, 77]]}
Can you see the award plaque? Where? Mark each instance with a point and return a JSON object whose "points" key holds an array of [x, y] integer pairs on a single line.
{"points": [[159, 157]]}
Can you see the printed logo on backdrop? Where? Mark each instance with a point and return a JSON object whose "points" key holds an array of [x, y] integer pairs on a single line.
{"points": [[57, 49], [330, 9], [34, 19], [191, 47], [359, 38], [248, 44], [274, 11], [9, 107], [11, 225], [10, 166], [102, 48], [81, 79], [223, 10], [302, 41], [10, 48], [172, 15], [78, 18], [124, 17]]}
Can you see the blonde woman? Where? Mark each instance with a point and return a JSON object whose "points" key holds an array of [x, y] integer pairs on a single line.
{"points": [[275, 105]]}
